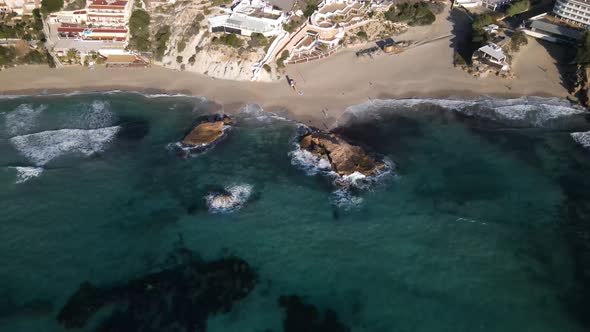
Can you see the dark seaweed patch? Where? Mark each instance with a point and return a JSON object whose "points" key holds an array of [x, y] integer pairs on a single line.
{"points": [[179, 298], [303, 317]]}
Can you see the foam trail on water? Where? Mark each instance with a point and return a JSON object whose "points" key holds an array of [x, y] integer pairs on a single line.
{"points": [[23, 119], [94, 115], [233, 198], [24, 174], [521, 112], [582, 138], [41, 148]]}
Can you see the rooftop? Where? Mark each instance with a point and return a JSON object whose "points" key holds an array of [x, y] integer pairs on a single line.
{"points": [[557, 29]]}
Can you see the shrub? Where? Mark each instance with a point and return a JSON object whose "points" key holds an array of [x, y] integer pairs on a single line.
{"points": [[414, 14], [76, 5], [517, 40], [139, 30], [281, 60], [362, 35], [161, 38], [181, 45], [267, 68], [310, 7], [257, 40], [228, 39], [50, 6], [179, 59], [518, 7], [458, 60], [191, 60], [7, 55], [583, 51], [479, 36], [33, 57]]}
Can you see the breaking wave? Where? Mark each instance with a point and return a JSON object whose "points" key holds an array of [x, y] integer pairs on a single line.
{"points": [[41, 148], [23, 119], [24, 174], [582, 138], [254, 112], [554, 113], [231, 199]]}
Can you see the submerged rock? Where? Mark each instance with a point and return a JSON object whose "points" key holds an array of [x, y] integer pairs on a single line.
{"points": [[345, 158], [207, 132], [180, 298], [230, 199], [301, 316]]}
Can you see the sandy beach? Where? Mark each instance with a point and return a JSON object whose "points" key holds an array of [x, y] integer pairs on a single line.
{"points": [[424, 71]]}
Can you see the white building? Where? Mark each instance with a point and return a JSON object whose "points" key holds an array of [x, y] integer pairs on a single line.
{"points": [[490, 4], [573, 11], [493, 54], [250, 16], [22, 7]]}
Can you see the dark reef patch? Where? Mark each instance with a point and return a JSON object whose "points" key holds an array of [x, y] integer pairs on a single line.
{"points": [[178, 298], [303, 317], [133, 129]]}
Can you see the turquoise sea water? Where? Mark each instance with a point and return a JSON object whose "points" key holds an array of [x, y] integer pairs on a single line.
{"points": [[481, 228]]}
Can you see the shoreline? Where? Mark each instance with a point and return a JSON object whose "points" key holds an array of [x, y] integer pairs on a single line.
{"points": [[334, 83]]}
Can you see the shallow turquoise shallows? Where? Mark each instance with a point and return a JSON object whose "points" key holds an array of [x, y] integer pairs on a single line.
{"points": [[477, 229]]}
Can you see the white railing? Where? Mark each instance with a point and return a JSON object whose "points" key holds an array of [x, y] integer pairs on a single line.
{"points": [[268, 56]]}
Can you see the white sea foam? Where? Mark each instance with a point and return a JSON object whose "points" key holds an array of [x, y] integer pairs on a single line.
{"points": [[344, 196], [41, 148], [582, 138], [524, 111], [255, 112], [24, 174], [94, 115], [233, 198], [23, 119]]}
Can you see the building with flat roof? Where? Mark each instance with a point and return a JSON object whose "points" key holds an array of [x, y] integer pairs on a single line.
{"points": [[492, 54], [573, 11], [250, 16]]}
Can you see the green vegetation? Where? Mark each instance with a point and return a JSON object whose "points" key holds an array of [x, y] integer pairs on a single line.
{"points": [[195, 27], [458, 60], [139, 30], [179, 59], [191, 60], [218, 3], [7, 55], [76, 5], [257, 40], [267, 68], [26, 29], [310, 7], [281, 60], [479, 36], [181, 45], [50, 6], [228, 39], [517, 40], [414, 14], [362, 35], [583, 51], [161, 38], [518, 7]]}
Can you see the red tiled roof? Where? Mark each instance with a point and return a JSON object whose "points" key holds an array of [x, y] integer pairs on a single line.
{"points": [[101, 15], [105, 3], [109, 30], [79, 12], [106, 7]]}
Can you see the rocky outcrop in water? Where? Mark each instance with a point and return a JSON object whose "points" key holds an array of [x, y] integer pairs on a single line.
{"points": [[180, 298], [301, 316], [207, 132], [345, 158]]}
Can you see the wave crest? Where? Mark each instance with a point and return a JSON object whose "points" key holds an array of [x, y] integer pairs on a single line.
{"points": [[539, 112], [24, 174], [582, 138], [41, 148], [23, 119]]}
